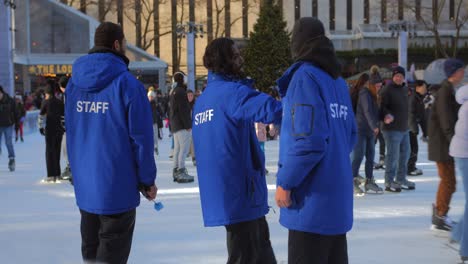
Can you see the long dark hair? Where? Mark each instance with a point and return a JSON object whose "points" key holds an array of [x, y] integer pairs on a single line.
{"points": [[360, 84]]}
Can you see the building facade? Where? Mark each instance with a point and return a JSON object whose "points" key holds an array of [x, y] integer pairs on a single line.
{"points": [[351, 24]]}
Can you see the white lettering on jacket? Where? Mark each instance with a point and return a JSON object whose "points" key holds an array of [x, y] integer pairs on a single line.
{"points": [[339, 111], [92, 107], [204, 117]]}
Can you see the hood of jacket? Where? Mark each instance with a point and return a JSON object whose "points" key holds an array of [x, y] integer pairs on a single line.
{"points": [[462, 94], [95, 71], [310, 44]]}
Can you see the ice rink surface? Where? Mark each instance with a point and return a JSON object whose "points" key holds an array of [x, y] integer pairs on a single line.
{"points": [[40, 223]]}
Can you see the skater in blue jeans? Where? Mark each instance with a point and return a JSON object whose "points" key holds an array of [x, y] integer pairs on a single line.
{"points": [[8, 119], [459, 150]]}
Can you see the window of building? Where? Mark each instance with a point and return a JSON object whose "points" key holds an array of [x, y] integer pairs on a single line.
{"points": [[400, 9], [366, 12], [297, 9], [349, 14], [418, 10], [452, 9], [383, 16], [314, 8], [332, 14], [52, 29]]}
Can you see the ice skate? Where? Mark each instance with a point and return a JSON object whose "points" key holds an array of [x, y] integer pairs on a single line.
{"points": [[183, 176], [392, 187], [380, 165], [66, 174], [361, 179], [51, 180], [357, 190], [415, 172], [442, 223], [372, 187], [407, 185], [464, 260], [11, 164]]}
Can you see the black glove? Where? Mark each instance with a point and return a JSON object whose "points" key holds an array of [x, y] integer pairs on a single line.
{"points": [[42, 131]]}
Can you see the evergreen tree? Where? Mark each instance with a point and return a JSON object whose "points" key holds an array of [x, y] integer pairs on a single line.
{"points": [[268, 52]]}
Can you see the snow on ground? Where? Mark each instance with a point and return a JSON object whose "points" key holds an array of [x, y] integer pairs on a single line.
{"points": [[41, 223]]}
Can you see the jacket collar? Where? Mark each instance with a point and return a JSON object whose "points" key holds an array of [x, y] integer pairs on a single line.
{"points": [[99, 49], [216, 77]]}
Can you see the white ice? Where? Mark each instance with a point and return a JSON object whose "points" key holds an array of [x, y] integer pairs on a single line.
{"points": [[41, 224]]}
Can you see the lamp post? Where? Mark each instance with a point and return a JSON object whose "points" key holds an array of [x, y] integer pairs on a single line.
{"points": [[402, 29], [191, 31], [6, 49]]}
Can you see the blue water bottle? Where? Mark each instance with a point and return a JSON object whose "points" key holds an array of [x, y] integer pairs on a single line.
{"points": [[158, 206]]}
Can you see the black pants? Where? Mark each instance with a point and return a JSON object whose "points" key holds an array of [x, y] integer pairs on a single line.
{"points": [[249, 243], [53, 145], [413, 137], [309, 248], [106, 238], [381, 141]]}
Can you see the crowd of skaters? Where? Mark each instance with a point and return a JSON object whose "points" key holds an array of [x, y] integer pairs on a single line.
{"points": [[383, 111]]}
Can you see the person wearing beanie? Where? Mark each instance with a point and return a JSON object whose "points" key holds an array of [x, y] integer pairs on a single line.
{"points": [[364, 98], [8, 120], [181, 127], [394, 114], [444, 115], [318, 133], [376, 79], [110, 146], [51, 125]]}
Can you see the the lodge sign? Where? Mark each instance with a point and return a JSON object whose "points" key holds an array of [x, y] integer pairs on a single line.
{"points": [[50, 69]]}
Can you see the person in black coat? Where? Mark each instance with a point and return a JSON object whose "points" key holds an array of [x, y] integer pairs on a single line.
{"points": [[51, 125], [444, 115], [181, 127], [8, 118], [416, 119], [394, 114]]}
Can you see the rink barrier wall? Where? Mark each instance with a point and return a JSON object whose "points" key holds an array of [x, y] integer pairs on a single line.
{"points": [[30, 122]]}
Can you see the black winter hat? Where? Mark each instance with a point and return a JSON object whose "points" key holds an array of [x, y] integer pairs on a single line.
{"points": [[398, 69], [107, 33], [451, 66]]}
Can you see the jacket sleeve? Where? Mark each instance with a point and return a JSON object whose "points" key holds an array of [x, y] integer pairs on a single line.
{"points": [[384, 103], [309, 129], [444, 112], [412, 115], [183, 107], [141, 136], [255, 106], [365, 100]]}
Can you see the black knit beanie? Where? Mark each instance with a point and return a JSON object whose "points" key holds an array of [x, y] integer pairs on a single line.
{"points": [[107, 33], [398, 70]]}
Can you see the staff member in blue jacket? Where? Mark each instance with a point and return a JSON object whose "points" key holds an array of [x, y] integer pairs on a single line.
{"points": [[230, 163], [110, 146], [318, 132]]}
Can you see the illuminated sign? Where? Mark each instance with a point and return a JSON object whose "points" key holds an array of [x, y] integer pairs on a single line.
{"points": [[50, 69]]}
